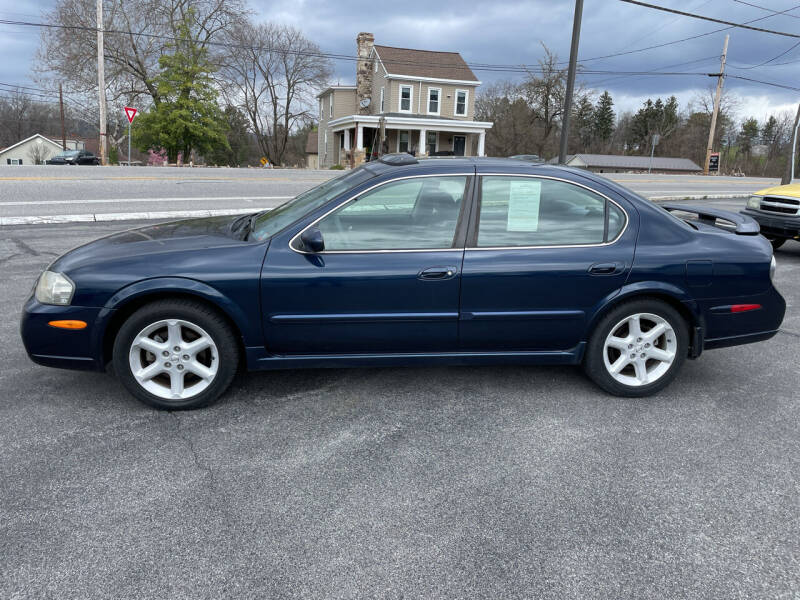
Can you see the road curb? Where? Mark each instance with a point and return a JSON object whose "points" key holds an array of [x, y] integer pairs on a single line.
{"points": [[127, 216], [186, 214]]}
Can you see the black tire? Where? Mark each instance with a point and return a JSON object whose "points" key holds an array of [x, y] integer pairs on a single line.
{"points": [[196, 313], [594, 363], [776, 242]]}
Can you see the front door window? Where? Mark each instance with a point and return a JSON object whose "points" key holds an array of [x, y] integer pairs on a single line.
{"points": [[414, 214]]}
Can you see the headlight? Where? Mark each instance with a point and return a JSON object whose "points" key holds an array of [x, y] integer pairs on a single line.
{"points": [[773, 268], [754, 202], [54, 288]]}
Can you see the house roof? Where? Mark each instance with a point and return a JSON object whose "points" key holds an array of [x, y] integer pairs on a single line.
{"points": [[424, 63], [311, 142], [614, 161]]}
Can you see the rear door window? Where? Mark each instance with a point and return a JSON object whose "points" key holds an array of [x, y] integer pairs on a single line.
{"points": [[531, 211]]}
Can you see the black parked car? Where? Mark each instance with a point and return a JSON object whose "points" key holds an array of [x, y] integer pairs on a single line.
{"points": [[74, 157]]}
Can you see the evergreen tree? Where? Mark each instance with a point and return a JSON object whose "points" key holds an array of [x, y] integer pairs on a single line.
{"points": [[604, 118], [583, 117], [748, 135], [186, 116]]}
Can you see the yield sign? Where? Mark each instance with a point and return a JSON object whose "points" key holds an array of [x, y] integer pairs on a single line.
{"points": [[130, 113]]}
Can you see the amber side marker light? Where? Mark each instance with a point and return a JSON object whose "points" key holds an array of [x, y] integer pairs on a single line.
{"points": [[68, 324]]}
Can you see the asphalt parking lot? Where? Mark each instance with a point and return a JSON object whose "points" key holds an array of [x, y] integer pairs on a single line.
{"points": [[491, 482]]}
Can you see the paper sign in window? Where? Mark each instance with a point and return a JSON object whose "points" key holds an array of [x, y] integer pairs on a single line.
{"points": [[523, 205]]}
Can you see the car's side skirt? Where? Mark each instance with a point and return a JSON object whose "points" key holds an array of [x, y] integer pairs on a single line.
{"points": [[258, 360]]}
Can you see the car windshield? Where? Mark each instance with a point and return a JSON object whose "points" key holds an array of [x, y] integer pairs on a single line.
{"points": [[67, 153], [270, 222]]}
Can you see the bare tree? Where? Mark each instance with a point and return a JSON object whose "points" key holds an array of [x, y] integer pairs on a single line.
{"points": [[544, 91], [272, 72]]}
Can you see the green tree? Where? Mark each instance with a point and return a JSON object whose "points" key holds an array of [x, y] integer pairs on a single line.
{"points": [[583, 119], [185, 116], [653, 118], [748, 135], [604, 117], [239, 150]]}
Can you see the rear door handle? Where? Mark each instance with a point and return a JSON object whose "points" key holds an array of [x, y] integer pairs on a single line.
{"points": [[438, 273], [605, 268]]}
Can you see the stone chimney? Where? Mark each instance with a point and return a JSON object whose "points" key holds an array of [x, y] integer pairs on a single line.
{"points": [[364, 71]]}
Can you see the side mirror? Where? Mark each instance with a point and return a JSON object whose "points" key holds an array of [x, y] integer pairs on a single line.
{"points": [[312, 240]]}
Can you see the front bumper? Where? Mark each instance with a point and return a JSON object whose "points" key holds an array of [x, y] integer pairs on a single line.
{"points": [[64, 348], [775, 225]]}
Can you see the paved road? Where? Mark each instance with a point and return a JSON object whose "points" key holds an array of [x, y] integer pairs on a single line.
{"points": [[493, 482], [93, 193]]}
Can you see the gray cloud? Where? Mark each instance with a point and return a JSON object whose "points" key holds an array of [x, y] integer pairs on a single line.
{"points": [[511, 33]]}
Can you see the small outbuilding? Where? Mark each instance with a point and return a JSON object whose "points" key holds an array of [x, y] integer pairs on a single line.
{"points": [[614, 163]]}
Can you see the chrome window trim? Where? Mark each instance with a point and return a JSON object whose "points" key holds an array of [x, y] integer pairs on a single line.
{"points": [[369, 189], [614, 202]]}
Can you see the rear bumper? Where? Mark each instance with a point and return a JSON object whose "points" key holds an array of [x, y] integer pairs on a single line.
{"points": [[722, 328], [777, 225], [63, 348]]}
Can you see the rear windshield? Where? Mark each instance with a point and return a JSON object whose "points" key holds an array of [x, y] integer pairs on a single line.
{"points": [[268, 223]]}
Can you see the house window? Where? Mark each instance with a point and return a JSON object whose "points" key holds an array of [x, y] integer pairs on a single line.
{"points": [[13, 161], [430, 142], [433, 100], [406, 93], [382, 90], [461, 103], [402, 141], [330, 105]]}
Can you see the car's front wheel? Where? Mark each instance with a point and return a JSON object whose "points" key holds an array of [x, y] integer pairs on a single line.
{"points": [[637, 349], [176, 355]]}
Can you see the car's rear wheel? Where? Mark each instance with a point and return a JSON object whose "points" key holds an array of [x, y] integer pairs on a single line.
{"points": [[176, 355], [637, 349]]}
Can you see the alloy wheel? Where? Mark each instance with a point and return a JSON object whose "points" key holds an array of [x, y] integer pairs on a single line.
{"points": [[173, 359], [640, 349]]}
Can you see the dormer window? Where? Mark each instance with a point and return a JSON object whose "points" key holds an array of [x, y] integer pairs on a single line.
{"points": [[434, 97], [406, 95]]}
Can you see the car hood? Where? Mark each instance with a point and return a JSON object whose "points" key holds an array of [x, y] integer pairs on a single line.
{"points": [[173, 237], [791, 190]]}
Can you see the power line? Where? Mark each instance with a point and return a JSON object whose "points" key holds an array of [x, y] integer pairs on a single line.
{"points": [[686, 39], [712, 19], [772, 10], [766, 62]]}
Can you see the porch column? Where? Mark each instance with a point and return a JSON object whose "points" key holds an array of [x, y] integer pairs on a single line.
{"points": [[359, 137], [423, 150], [347, 140], [481, 142]]}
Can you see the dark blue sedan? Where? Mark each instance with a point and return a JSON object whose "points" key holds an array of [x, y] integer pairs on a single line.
{"points": [[400, 262]]}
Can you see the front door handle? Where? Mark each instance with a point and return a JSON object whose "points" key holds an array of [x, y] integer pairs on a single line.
{"points": [[605, 268], [438, 273]]}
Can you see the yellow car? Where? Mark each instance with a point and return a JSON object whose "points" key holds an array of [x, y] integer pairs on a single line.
{"points": [[777, 210]]}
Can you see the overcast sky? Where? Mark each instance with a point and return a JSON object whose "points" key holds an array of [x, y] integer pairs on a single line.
{"points": [[499, 32]]}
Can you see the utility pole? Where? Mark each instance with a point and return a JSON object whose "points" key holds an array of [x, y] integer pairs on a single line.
{"points": [[101, 81], [788, 175], [61, 106], [720, 80], [573, 63]]}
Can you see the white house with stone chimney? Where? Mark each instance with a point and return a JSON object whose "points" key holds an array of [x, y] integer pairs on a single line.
{"points": [[416, 101]]}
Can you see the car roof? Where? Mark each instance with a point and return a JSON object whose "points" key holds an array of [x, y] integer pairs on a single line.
{"points": [[481, 163]]}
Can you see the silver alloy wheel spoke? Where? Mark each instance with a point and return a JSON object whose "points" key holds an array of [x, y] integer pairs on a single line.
{"points": [[640, 349], [169, 367]]}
